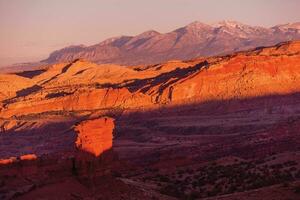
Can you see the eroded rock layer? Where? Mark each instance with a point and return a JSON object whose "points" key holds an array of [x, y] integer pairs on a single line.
{"points": [[82, 86], [95, 136]]}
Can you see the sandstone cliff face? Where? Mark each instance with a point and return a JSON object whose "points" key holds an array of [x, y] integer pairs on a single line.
{"points": [[243, 75], [87, 99], [95, 136], [82, 86], [240, 77], [10, 84]]}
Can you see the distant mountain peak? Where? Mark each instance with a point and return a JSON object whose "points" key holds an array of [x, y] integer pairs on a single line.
{"points": [[295, 25], [112, 39], [74, 47], [196, 24], [228, 23], [149, 33], [193, 40]]}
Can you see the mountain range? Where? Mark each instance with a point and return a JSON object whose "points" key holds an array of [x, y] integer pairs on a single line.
{"points": [[194, 40]]}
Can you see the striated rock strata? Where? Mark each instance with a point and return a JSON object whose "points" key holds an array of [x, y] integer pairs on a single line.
{"points": [[82, 86]]}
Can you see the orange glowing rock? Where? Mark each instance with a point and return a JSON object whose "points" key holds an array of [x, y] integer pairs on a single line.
{"points": [[95, 136], [83, 86], [8, 161], [28, 157]]}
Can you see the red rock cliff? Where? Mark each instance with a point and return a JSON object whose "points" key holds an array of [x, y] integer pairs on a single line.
{"points": [[95, 136], [82, 86]]}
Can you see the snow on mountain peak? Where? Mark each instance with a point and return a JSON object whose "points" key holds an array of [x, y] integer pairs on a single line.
{"points": [[227, 23]]}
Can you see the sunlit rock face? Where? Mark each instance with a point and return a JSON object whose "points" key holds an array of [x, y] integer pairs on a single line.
{"points": [[8, 161], [83, 86], [28, 157], [11, 160], [95, 136]]}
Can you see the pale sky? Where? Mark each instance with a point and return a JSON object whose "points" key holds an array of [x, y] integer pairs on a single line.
{"points": [[31, 29]]}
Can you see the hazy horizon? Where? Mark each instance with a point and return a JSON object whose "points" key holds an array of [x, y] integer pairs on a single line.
{"points": [[31, 29]]}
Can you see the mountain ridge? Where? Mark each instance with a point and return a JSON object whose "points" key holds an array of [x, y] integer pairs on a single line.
{"points": [[193, 40]]}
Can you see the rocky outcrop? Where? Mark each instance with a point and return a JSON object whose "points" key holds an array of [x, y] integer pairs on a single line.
{"points": [[244, 75], [238, 78], [82, 99], [7, 161], [11, 160], [28, 157], [95, 136]]}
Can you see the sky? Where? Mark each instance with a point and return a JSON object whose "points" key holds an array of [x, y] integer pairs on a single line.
{"points": [[31, 29]]}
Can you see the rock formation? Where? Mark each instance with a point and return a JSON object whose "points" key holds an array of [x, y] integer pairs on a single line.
{"points": [[8, 160], [11, 160], [28, 157], [95, 136], [82, 86]]}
